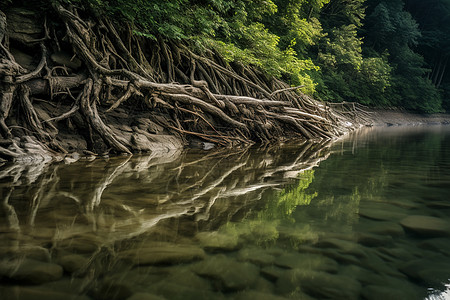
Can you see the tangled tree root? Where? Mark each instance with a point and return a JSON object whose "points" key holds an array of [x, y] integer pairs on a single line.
{"points": [[122, 93]]}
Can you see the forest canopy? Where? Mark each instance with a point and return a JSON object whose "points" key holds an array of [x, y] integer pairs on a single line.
{"points": [[376, 52]]}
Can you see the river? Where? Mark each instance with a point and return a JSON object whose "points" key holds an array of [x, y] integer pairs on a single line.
{"points": [[364, 217]]}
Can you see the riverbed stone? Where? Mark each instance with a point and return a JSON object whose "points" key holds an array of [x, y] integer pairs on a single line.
{"points": [[263, 285], [432, 272], [343, 246], [319, 284], [310, 261], [426, 225], [217, 241], [145, 296], [185, 277], [438, 204], [272, 272], [65, 285], [376, 292], [228, 273], [34, 293], [373, 240], [73, 262], [163, 253], [256, 256], [31, 271], [381, 214], [173, 291], [437, 244], [258, 295], [383, 228]]}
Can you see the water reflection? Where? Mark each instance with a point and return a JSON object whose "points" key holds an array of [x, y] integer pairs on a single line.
{"points": [[94, 204], [363, 218]]}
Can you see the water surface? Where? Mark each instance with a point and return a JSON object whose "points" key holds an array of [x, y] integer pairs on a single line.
{"points": [[366, 217]]}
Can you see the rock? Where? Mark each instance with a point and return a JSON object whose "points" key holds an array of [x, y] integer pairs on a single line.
{"points": [[381, 214], [71, 158], [272, 272], [217, 241], [432, 272], [438, 204], [263, 285], [383, 228], [345, 247], [65, 285], [426, 225], [331, 253], [73, 262], [113, 290], [373, 240], [397, 253], [145, 296], [24, 59], [314, 262], [437, 244], [189, 279], [34, 293], [163, 253], [256, 256], [363, 275], [66, 59], [172, 291], [257, 295], [31, 271], [229, 274], [319, 284], [376, 292], [24, 24]]}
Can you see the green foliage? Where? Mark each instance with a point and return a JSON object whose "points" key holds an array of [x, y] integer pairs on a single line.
{"points": [[375, 52]]}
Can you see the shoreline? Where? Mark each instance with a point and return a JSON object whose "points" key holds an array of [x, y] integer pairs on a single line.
{"points": [[398, 117]]}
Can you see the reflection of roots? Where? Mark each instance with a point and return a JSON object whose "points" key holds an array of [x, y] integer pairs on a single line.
{"points": [[183, 93], [241, 184]]}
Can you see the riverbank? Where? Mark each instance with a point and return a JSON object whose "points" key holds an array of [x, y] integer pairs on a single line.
{"points": [[398, 117]]}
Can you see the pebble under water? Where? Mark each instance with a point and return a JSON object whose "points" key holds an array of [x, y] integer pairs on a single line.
{"points": [[365, 217]]}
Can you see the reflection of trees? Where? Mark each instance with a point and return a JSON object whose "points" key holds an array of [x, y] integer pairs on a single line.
{"points": [[121, 198]]}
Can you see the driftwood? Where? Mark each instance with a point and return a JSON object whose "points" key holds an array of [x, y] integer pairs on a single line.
{"points": [[184, 93]]}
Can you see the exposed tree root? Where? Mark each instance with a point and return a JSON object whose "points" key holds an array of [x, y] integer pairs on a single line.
{"points": [[172, 90]]}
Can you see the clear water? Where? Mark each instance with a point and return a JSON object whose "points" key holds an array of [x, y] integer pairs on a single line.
{"points": [[366, 217]]}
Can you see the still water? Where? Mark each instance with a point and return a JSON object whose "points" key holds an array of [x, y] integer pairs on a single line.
{"points": [[366, 217]]}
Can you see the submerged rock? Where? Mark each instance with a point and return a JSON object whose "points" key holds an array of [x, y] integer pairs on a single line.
{"points": [[381, 214], [432, 272], [344, 247], [163, 253], [257, 295], [73, 262], [307, 261], [217, 241], [376, 292], [34, 293], [169, 290], [229, 274], [438, 245], [383, 228], [272, 272], [319, 284], [256, 256], [31, 271], [426, 225], [145, 296]]}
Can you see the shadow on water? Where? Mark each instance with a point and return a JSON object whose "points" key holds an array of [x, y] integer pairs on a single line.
{"points": [[365, 217]]}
